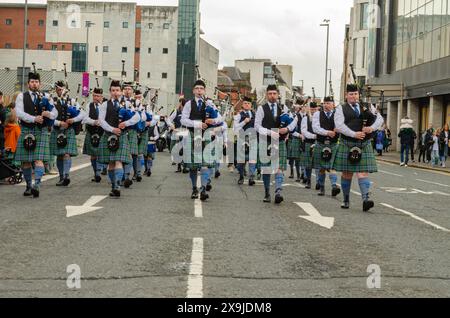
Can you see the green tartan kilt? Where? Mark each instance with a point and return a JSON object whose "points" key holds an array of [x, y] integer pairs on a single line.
{"points": [[122, 154], [368, 162], [197, 160], [318, 163], [70, 148], [42, 150], [133, 141], [282, 159], [293, 149], [306, 159], [88, 149], [142, 145]]}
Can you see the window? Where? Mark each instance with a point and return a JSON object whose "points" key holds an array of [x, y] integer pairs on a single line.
{"points": [[28, 22], [138, 25], [106, 24], [355, 52], [105, 73], [27, 46], [54, 47], [137, 50], [149, 50], [7, 45], [106, 49], [95, 72], [165, 51], [96, 49], [55, 23], [41, 22], [125, 25], [8, 21], [364, 53], [73, 24], [166, 26], [63, 47], [164, 75], [364, 17], [148, 74], [124, 49], [150, 25]]}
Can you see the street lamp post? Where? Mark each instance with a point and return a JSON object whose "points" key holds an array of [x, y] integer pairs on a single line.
{"points": [[327, 24], [88, 25], [24, 44], [330, 81]]}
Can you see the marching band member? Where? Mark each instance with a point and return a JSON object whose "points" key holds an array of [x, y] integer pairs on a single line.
{"points": [[268, 118], [94, 132], [294, 142], [35, 114], [309, 143], [326, 146], [356, 123], [128, 102], [174, 122], [142, 134], [153, 136], [114, 146]]}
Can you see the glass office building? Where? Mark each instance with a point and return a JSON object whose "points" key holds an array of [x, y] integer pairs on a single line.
{"points": [[187, 45]]}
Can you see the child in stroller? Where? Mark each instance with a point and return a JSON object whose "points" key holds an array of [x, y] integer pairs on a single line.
{"points": [[9, 170]]}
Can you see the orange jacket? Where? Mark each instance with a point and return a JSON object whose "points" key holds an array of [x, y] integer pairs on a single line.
{"points": [[12, 133]]}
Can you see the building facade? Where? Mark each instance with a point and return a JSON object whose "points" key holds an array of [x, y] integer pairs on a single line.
{"points": [[208, 66]]}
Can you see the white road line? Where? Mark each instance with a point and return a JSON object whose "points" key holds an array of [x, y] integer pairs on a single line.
{"points": [[417, 217], [50, 177], [439, 184], [198, 209], [390, 173], [195, 279]]}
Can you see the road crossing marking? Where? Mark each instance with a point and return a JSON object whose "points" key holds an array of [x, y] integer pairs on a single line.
{"points": [[390, 173], [431, 182], [417, 217], [195, 279], [198, 209]]}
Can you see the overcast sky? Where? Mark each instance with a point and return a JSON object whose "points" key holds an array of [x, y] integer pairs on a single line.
{"points": [[286, 31]]}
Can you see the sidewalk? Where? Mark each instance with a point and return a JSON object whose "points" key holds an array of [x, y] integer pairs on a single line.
{"points": [[394, 157]]}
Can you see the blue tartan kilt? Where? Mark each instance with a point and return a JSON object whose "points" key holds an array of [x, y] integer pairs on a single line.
{"points": [[142, 143], [70, 148], [367, 164], [42, 150], [307, 157], [293, 149], [88, 149], [318, 163], [282, 157], [122, 154], [133, 141]]}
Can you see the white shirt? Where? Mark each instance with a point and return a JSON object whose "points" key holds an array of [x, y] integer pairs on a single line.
{"points": [[237, 125], [305, 131], [341, 127], [23, 116], [316, 124], [185, 121], [436, 143], [260, 116], [87, 120], [102, 118]]}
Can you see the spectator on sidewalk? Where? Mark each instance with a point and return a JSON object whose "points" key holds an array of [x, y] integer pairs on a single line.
{"points": [[406, 136], [444, 145], [2, 122], [429, 142], [421, 145], [379, 141], [435, 149], [412, 145], [12, 134], [387, 140]]}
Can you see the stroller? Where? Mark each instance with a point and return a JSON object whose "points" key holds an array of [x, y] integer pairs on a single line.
{"points": [[10, 171]]}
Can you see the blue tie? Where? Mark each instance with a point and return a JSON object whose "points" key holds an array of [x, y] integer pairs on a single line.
{"points": [[328, 115], [34, 98], [96, 109], [273, 110], [199, 105], [116, 105], [356, 109]]}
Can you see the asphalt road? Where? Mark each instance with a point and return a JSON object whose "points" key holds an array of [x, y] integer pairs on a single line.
{"points": [[157, 242]]}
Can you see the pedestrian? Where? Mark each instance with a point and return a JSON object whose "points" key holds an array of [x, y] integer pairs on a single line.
{"points": [[406, 136], [380, 138], [12, 134], [33, 148], [444, 140], [153, 136], [2, 122], [435, 148], [356, 124], [295, 141], [422, 147], [412, 145], [429, 142]]}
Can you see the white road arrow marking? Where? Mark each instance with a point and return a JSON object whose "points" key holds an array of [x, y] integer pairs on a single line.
{"points": [[87, 207], [314, 215]]}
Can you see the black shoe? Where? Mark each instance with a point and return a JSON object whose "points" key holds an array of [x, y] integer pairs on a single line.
{"points": [[173, 163], [27, 193], [308, 184], [367, 205], [346, 204], [104, 172], [335, 191], [127, 183], [66, 182], [298, 180], [208, 187], [251, 182], [35, 192], [115, 193], [149, 173], [291, 176], [60, 183], [322, 192], [194, 194], [278, 198], [204, 196], [267, 198], [304, 180], [317, 186], [241, 181], [96, 179], [217, 174], [138, 179], [178, 169]]}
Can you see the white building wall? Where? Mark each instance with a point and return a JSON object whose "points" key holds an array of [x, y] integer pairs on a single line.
{"points": [[358, 54], [44, 59], [287, 73], [208, 66], [256, 69]]}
